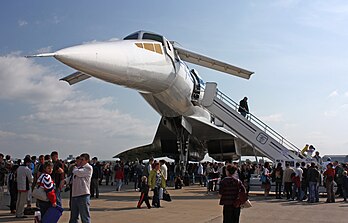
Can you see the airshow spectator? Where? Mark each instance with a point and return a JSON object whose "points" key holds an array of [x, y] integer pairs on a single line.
{"points": [[126, 169], [81, 181], [288, 181], [345, 186], [119, 175], [2, 175], [12, 187], [245, 175], [144, 196], [297, 191], [313, 179], [45, 181], [164, 169], [230, 189], [57, 176], [95, 177], [329, 176], [148, 167], [156, 182], [338, 177], [24, 179], [318, 158], [265, 179], [107, 173], [304, 182], [277, 177], [200, 172], [138, 172]]}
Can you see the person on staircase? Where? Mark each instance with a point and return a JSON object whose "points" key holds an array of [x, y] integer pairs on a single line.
{"points": [[243, 107]]}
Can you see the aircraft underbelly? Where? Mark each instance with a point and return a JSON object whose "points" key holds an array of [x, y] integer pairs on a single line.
{"points": [[175, 100]]}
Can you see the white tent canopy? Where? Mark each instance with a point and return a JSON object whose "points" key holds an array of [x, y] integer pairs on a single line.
{"points": [[167, 159]]}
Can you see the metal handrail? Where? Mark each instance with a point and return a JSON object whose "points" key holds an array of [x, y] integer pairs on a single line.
{"points": [[264, 127]]}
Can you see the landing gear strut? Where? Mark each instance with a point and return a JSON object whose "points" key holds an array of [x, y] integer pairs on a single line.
{"points": [[183, 137]]}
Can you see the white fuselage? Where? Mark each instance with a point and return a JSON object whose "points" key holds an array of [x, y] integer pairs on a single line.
{"points": [[147, 66]]}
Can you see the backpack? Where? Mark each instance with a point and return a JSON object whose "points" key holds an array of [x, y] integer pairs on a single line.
{"points": [[242, 197]]}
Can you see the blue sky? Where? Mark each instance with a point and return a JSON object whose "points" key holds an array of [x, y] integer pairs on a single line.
{"points": [[297, 49]]}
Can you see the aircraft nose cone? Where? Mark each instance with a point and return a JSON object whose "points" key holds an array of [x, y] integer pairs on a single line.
{"points": [[78, 57]]}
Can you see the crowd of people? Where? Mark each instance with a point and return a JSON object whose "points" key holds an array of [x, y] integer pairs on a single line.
{"points": [[82, 178], [49, 174]]}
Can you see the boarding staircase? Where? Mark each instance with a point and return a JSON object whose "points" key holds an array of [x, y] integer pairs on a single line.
{"points": [[251, 129]]}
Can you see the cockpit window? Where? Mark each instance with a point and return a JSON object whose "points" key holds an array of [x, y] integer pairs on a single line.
{"points": [[154, 37], [132, 36]]}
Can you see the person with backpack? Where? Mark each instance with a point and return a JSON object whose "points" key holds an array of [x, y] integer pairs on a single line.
{"points": [[277, 177], [265, 179]]}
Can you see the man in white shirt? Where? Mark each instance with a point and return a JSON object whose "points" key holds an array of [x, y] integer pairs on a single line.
{"points": [[297, 186], [200, 172], [80, 198], [24, 179], [164, 168]]}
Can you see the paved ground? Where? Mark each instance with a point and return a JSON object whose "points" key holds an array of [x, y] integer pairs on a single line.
{"points": [[192, 204]]}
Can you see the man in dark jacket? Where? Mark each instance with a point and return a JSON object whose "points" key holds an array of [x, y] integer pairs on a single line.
{"points": [[313, 179], [95, 177], [230, 190], [243, 107], [58, 176]]}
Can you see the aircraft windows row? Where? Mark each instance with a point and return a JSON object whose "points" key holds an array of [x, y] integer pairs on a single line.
{"points": [[154, 47]]}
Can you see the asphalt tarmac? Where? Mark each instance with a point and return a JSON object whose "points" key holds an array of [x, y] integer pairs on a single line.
{"points": [[193, 204]]}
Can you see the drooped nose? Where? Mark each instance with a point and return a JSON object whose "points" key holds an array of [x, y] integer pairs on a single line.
{"points": [[96, 59], [82, 57]]}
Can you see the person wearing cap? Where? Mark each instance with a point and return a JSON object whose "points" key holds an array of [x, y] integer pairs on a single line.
{"points": [[24, 179]]}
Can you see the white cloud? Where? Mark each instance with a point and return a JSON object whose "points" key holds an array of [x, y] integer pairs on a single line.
{"points": [[333, 94], [326, 15], [6, 134], [22, 79], [272, 118], [22, 22], [346, 94], [113, 39], [330, 114], [285, 3], [56, 19], [59, 116], [47, 49]]}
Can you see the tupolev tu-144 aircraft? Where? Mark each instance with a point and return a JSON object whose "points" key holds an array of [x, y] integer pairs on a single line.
{"points": [[153, 66]]}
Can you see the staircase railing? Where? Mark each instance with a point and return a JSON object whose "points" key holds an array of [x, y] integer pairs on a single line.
{"points": [[260, 124]]}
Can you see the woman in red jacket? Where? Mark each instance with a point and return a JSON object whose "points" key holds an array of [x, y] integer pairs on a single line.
{"points": [[45, 181], [119, 176], [329, 176]]}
